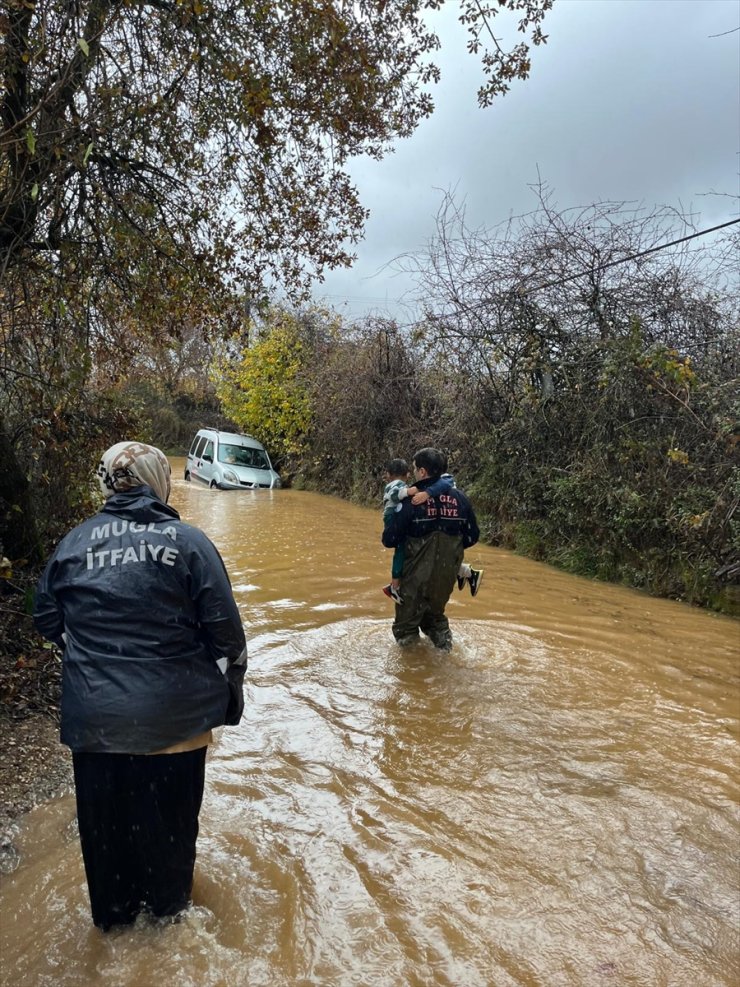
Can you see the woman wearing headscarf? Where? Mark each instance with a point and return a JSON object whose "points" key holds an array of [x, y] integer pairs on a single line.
{"points": [[154, 658]]}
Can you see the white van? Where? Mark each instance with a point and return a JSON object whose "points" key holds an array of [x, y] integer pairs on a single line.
{"points": [[229, 461]]}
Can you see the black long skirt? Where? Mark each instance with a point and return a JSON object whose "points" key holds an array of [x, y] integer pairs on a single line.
{"points": [[138, 820]]}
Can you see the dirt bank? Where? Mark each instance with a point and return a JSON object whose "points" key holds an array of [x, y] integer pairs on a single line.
{"points": [[34, 767]]}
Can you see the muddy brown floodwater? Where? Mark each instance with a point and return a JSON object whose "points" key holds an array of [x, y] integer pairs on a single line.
{"points": [[553, 803]]}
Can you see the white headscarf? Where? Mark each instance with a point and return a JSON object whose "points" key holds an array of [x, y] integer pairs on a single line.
{"points": [[129, 464]]}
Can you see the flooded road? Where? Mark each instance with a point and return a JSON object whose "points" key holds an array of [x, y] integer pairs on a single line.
{"points": [[553, 803]]}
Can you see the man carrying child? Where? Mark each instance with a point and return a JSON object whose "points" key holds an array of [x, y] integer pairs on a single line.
{"points": [[396, 475], [433, 523]]}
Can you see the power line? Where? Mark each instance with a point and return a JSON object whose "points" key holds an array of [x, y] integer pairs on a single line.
{"points": [[642, 253], [593, 270]]}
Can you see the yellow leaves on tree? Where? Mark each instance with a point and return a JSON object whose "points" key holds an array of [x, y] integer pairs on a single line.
{"points": [[265, 394]]}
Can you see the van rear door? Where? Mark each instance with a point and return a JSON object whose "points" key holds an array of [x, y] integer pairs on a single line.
{"points": [[206, 462], [194, 456]]}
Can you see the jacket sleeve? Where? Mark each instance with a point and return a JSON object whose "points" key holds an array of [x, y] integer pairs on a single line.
{"points": [[220, 622], [48, 617], [438, 486], [396, 494], [214, 601]]}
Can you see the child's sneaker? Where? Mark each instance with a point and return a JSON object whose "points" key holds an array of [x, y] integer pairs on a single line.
{"points": [[476, 577], [393, 593], [461, 581]]}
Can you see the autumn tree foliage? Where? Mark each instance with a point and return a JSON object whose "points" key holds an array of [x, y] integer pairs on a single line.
{"points": [[373, 399], [164, 157], [264, 388], [170, 132], [332, 401]]}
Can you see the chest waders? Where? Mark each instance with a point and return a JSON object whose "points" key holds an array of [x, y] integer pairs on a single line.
{"points": [[429, 574]]}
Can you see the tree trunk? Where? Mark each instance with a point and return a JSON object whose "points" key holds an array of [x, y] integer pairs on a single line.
{"points": [[18, 535]]}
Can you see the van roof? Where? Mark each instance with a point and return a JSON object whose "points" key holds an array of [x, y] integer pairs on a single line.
{"points": [[232, 436]]}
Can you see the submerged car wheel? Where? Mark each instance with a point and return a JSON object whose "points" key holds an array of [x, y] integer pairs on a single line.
{"points": [[187, 475], [214, 485]]}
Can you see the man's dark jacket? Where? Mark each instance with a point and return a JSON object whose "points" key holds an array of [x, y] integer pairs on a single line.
{"points": [[450, 513], [142, 605]]}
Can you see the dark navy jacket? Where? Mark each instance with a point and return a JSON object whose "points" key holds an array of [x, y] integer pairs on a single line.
{"points": [[449, 512], [142, 605]]}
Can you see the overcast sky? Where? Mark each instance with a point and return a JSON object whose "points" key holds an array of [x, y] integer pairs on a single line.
{"points": [[629, 100]]}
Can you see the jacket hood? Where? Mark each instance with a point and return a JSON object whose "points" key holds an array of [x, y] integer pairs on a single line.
{"points": [[139, 504]]}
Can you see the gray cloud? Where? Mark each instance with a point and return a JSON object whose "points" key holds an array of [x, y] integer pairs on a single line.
{"points": [[628, 101]]}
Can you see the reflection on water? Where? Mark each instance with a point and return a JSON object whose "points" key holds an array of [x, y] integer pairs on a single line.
{"points": [[555, 802]]}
